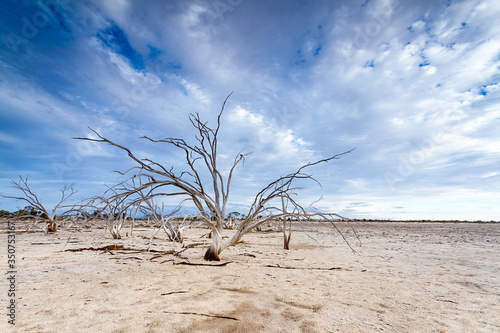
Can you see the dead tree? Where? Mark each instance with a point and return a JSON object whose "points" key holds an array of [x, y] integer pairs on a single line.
{"points": [[32, 199], [145, 202], [174, 232], [114, 209], [265, 207], [286, 236], [211, 197]]}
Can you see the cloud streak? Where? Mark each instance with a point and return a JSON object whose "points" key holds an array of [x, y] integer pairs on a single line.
{"points": [[414, 85]]}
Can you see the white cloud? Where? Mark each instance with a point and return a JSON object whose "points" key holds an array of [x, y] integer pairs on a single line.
{"points": [[490, 174], [421, 91], [266, 137], [8, 139]]}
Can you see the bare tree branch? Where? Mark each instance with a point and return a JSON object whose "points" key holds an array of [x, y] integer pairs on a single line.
{"points": [[32, 199], [154, 180]]}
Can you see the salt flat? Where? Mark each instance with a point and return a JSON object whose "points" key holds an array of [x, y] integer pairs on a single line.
{"points": [[405, 277]]}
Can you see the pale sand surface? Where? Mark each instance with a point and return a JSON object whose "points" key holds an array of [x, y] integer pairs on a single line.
{"points": [[407, 277]]}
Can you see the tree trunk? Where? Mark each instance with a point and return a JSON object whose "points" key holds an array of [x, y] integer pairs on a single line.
{"points": [[286, 240], [214, 249], [235, 238], [218, 246], [52, 226], [115, 231]]}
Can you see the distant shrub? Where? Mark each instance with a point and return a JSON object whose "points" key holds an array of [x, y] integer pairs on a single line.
{"points": [[4, 213]]}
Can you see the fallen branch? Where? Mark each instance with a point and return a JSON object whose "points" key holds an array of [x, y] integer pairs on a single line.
{"points": [[190, 246], [447, 300], [156, 257], [308, 268], [203, 314], [102, 248], [129, 251], [119, 258], [168, 260], [175, 292], [118, 247], [200, 264]]}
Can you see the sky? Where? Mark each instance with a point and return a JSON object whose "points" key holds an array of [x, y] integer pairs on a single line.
{"points": [[412, 85]]}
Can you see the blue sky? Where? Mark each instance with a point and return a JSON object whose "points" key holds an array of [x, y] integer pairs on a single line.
{"points": [[414, 85]]}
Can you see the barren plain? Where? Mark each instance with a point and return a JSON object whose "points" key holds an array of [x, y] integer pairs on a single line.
{"points": [[405, 277]]}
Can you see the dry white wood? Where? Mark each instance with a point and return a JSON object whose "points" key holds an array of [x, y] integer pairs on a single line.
{"points": [[151, 179]]}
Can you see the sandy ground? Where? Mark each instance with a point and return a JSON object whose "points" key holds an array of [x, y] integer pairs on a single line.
{"points": [[406, 277]]}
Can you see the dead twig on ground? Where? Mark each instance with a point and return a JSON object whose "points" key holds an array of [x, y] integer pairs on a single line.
{"points": [[202, 314], [200, 264], [174, 292], [119, 247], [306, 268], [127, 258]]}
